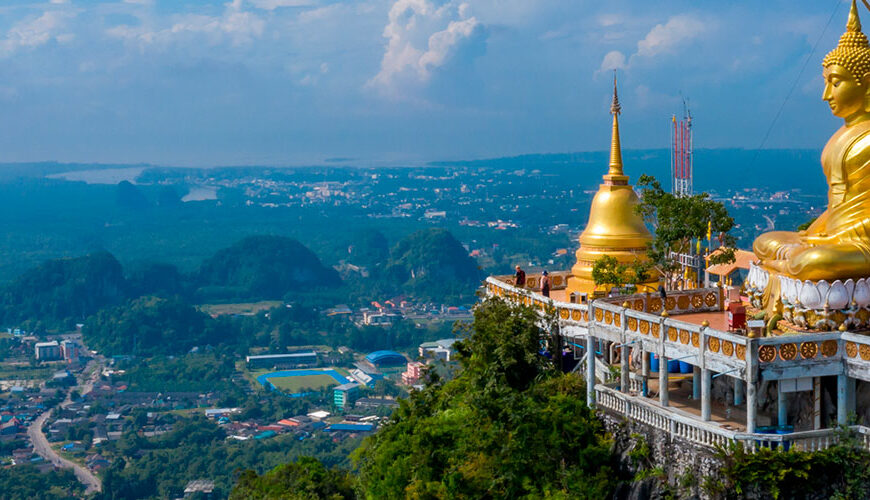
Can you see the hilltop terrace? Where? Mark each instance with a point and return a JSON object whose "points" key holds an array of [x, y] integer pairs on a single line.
{"points": [[622, 332]]}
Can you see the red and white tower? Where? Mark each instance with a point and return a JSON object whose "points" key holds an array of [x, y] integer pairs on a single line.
{"points": [[682, 154]]}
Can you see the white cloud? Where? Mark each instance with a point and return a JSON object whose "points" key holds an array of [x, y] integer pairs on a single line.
{"points": [[275, 4], [37, 32], [613, 60], [235, 24], [664, 37], [661, 39], [419, 41]]}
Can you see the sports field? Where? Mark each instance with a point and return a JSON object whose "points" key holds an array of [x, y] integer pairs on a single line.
{"points": [[293, 382], [295, 385]]}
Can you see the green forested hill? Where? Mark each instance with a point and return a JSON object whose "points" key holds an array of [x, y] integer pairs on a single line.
{"points": [[432, 263], [64, 291], [149, 326], [264, 267]]}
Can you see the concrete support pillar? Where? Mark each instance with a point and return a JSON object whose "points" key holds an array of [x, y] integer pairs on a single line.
{"points": [[751, 378], [664, 398], [751, 405], [817, 403], [624, 353], [590, 371], [841, 399], [738, 391], [644, 368], [696, 383], [850, 395], [781, 405], [706, 383]]}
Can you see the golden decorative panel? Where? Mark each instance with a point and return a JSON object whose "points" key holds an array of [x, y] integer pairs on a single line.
{"points": [[683, 301], [864, 351], [617, 320], [655, 305], [564, 313], [672, 334], [710, 299], [638, 305], [741, 351], [608, 317], [697, 300], [670, 302], [655, 330], [787, 352], [632, 324], [851, 349], [727, 347], [809, 350], [644, 327], [696, 339], [829, 348], [599, 314], [557, 280], [767, 353], [576, 315], [532, 282], [713, 344], [585, 315], [684, 337]]}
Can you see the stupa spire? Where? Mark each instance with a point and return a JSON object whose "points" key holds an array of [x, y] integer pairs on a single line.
{"points": [[615, 171]]}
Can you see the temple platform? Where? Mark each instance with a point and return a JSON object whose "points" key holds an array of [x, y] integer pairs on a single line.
{"points": [[617, 329]]}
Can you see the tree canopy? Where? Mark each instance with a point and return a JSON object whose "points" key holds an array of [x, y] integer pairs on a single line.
{"points": [[510, 425], [680, 220]]}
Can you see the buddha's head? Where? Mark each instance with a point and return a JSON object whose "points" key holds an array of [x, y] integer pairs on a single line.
{"points": [[847, 72]]}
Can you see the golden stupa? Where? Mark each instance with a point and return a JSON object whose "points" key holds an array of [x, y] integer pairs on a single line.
{"points": [[614, 227], [819, 277]]}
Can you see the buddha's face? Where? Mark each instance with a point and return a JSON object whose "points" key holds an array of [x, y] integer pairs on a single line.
{"points": [[843, 92]]}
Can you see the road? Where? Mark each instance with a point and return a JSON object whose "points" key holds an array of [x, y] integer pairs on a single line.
{"points": [[42, 448]]}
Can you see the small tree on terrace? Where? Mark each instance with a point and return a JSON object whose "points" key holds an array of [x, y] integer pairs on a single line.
{"points": [[607, 270], [679, 220]]}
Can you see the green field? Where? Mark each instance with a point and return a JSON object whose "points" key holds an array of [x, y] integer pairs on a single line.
{"points": [[24, 372], [293, 385], [243, 308]]}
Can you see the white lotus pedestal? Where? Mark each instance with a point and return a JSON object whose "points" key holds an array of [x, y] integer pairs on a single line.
{"points": [[817, 305]]}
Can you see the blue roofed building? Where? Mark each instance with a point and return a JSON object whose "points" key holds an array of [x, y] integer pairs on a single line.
{"points": [[386, 359]]}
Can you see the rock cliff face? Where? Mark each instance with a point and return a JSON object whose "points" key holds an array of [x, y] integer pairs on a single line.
{"points": [[671, 468]]}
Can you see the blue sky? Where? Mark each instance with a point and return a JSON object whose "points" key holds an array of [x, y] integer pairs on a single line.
{"points": [[287, 82]]}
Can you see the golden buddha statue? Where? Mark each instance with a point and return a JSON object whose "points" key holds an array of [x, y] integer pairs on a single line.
{"points": [[837, 244], [615, 228]]}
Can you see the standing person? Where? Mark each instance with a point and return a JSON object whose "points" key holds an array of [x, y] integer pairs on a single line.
{"points": [[545, 284], [520, 277]]}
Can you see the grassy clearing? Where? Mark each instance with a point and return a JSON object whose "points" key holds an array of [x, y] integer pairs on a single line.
{"points": [[24, 372], [293, 385], [242, 308]]}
